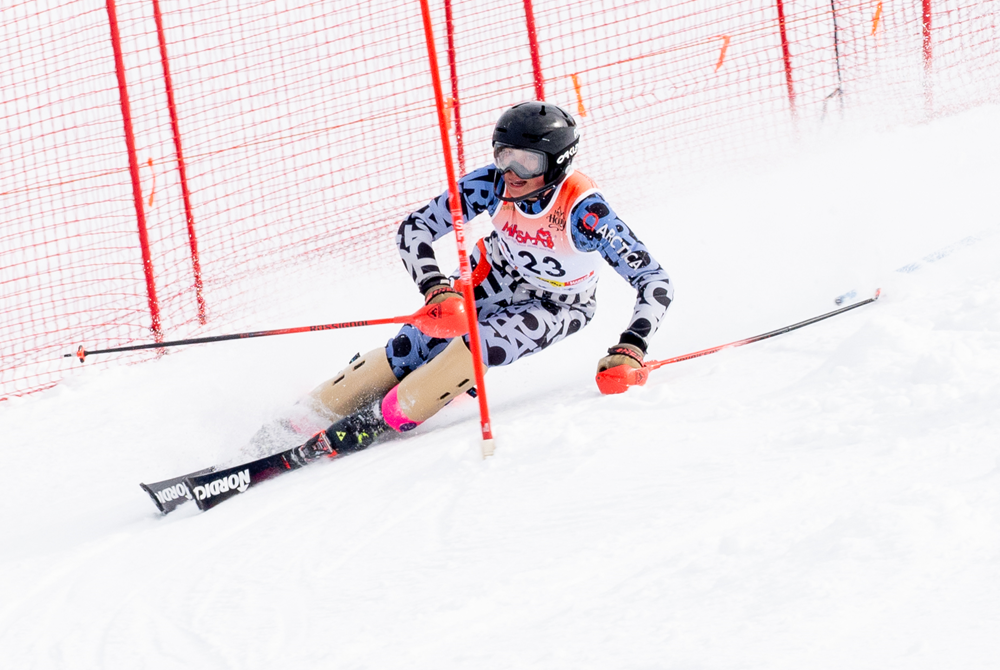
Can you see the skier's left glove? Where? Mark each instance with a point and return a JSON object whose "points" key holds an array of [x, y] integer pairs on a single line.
{"points": [[629, 351], [440, 293]]}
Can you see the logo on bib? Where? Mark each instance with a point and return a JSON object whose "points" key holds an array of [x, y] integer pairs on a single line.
{"points": [[557, 219], [542, 239], [567, 284]]}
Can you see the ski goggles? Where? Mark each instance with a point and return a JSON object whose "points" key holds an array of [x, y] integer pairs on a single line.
{"points": [[524, 162]]}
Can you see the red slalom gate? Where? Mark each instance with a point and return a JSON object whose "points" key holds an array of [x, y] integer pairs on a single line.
{"points": [[133, 169], [458, 224]]}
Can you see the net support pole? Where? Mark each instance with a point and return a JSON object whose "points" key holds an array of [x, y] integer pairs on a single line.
{"points": [[181, 168], [133, 169], [455, 205], [536, 59], [836, 54], [455, 105], [786, 55], [928, 89]]}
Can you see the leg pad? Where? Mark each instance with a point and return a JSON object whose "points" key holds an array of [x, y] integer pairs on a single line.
{"points": [[365, 380]]}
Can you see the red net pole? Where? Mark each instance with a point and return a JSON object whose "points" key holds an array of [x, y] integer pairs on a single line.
{"points": [[786, 54], [181, 168], [133, 168], [458, 224], [455, 106], [927, 34], [536, 60], [928, 91]]}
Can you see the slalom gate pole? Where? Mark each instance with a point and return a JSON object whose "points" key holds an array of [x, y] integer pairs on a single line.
{"points": [[444, 319], [133, 169], [620, 378], [458, 224]]}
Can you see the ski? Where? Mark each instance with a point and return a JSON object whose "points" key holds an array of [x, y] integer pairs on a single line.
{"points": [[171, 493], [211, 486], [207, 488]]}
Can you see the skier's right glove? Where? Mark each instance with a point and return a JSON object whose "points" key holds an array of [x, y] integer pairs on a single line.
{"points": [[440, 293]]}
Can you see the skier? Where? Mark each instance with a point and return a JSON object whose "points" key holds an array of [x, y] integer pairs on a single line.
{"points": [[535, 277]]}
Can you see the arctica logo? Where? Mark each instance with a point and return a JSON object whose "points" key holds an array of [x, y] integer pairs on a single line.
{"points": [[238, 481], [173, 493]]}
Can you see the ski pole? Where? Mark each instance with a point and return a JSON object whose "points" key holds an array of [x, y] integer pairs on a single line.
{"points": [[443, 319], [619, 378]]}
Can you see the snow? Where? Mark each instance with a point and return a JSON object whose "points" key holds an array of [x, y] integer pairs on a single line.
{"points": [[825, 499]]}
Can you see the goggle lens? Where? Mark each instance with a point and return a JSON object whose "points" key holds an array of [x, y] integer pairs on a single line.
{"points": [[524, 162]]}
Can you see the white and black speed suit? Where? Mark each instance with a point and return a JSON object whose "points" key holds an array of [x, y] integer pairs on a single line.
{"points": [[518, 316]]}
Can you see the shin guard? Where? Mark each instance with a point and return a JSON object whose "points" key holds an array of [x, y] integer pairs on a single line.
{"points": [[365, 380]]}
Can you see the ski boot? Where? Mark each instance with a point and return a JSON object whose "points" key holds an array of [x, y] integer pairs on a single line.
{"points": [[353, 433]]}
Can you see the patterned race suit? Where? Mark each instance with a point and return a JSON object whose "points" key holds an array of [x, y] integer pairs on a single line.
{"points": [[535, 274]]}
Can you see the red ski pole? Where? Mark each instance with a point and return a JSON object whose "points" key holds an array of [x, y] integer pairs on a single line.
{"points": [[618, 379], [444, 319]]}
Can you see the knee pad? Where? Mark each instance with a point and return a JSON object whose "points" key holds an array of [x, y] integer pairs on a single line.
{"points": [[410, 349], [430, 387]]}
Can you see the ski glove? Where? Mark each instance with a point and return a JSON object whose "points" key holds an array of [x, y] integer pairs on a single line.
{"points": [[623, 353], [439, 293]]}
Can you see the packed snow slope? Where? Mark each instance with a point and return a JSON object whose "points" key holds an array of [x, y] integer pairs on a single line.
{"points": [[829, 498]]}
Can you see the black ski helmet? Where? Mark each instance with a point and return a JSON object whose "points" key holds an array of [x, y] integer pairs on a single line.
{"points": [[544, 127]]}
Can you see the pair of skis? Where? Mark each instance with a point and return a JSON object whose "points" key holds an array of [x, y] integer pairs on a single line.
{"points": [[211, 486]]}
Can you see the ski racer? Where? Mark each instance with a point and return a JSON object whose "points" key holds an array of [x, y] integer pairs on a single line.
{"points": [[535, 277]]}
